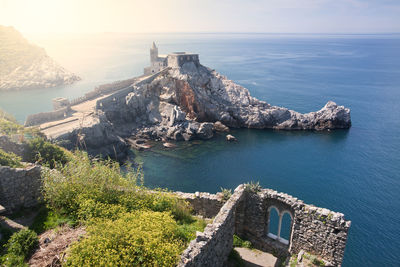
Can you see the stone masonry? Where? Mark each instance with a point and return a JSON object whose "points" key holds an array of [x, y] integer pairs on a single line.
{"points": [[212, 247], [203, 204], [20, 187], [318, 231]]}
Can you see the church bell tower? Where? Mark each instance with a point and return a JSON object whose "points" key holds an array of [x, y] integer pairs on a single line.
{"points": [[153, 53]]}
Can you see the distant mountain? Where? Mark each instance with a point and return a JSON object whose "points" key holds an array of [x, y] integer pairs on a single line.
{"points": [[27, 66]]}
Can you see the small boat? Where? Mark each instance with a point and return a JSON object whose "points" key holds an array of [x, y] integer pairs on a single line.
{"points": [[169, 145], [139, 144]]}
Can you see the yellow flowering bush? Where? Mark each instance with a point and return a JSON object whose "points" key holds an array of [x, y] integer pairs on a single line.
{"points": [[141, 238], [127, 224]]}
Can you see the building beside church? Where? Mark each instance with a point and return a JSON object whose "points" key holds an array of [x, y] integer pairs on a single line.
{"points": [[173, 60]]}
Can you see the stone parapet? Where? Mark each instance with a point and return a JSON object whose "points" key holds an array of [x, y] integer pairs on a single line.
{"points": [[20, 187], [203, 204], [213, 245]]}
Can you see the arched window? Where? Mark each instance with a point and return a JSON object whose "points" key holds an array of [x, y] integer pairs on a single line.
{"points": [[279, 225], [273, 222], [286, 223]]}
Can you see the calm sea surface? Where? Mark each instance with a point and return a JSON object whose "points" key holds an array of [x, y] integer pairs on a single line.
{"points": [[356, 171]]}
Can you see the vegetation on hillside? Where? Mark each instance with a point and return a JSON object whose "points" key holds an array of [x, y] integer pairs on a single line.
{"points": [[19, 247], [46, 153], [9, 126], [126, 223], [9, 159]]}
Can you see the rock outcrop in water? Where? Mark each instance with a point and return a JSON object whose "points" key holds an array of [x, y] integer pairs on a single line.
{"points": [[26, 66], [184, 104]]}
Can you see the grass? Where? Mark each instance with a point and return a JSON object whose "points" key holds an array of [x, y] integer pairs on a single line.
{"points": [[238, 242], [187, 230], [48, 219]]}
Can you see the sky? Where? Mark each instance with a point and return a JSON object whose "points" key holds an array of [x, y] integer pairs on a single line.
{"points": [[156, 16]]}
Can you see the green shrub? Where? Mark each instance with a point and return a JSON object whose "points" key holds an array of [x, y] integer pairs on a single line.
{"points": [[226, 194], [142, 238], [127, 224], [187, 231], [48, 219], [253, 187], [22, 243], [317, 262], [12, 260], [88, 189], [46, 153], [10, 159], [8, 124], [238, 242]]}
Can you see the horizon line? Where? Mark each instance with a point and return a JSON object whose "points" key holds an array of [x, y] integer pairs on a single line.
{"points": [[221, 32]]}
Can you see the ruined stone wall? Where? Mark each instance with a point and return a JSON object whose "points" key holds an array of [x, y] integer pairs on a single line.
{"points": [[203, 204], [39, 118], [318, 231], [19, 187], [212, 247], [315, 230]]}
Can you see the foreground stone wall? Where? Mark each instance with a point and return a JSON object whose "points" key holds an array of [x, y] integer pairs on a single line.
{"points": [[318, 231], [212, 247], [19, 187]]}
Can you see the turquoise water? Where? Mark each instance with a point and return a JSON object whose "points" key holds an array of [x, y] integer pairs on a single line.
{"points": [[356, 171]]}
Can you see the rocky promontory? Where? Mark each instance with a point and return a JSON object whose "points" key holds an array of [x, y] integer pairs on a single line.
{"points": [[186, 103], [27, 66]]}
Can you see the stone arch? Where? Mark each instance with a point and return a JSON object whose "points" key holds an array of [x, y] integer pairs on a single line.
{"points": [[271, 232], [286, 227], [282, 210]]}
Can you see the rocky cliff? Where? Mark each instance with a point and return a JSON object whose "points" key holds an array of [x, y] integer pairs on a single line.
{"points": [[184, 104], [26, 66]]}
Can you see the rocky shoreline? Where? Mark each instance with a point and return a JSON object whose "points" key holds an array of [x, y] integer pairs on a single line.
{"points": [[44, 72], [187, 103]]}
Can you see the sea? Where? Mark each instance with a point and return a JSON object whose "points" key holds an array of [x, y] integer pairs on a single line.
{"points": [[354, 171]]}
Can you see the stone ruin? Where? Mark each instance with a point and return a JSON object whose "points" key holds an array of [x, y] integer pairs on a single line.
{"points": [[318, 231]]}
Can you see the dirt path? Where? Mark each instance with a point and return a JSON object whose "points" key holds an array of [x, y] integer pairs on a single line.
{"points": [[53, 244]]}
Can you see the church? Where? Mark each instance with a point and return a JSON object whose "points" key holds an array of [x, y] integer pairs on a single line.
{"points": [[173, 60]]}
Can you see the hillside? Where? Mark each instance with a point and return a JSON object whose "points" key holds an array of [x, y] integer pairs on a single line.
{"points": [[27, 66]]}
